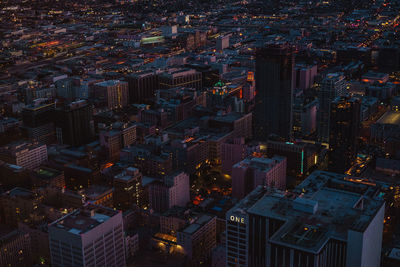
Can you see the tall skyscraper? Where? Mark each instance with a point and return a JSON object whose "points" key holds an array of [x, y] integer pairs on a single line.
{"points": [[92, 236], [274, 91], [74, 125], [128, 189], [142, 86], [324, 221], [344, 129], [112, 93], [332, 86], [38, 122]]}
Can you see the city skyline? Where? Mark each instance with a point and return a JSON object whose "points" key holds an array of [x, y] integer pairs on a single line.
{"points": [[199, 133]]}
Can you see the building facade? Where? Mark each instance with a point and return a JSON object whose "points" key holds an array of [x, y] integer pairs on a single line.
{"points": [[24, 154], [172, 191], [74, 125], [305, 227], [344, 129], [274, 87], [332, 86], [92, 236], [252, 172], [142, 86], [128, 189], [15, 249], [113, 94], [181, 77], [198, 239]]}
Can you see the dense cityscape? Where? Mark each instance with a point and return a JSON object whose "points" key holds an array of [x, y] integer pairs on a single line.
{"points": [[200, 133]]}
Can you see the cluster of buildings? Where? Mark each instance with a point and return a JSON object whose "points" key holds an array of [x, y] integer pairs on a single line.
{"points": [[220, 133]]}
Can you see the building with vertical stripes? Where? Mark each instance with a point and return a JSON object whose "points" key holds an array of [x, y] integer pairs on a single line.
{"points": [[91, 236], [327, 220]]}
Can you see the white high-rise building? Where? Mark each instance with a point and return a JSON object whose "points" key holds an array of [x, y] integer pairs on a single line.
{"points": [[325, 221], [92, 236]]}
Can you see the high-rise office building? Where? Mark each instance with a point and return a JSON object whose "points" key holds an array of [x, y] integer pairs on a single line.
{"points": [[128, 189], [274, 91], [24, 154], [65, 88], [119, 136], [332, 86], [74, 125], [181, 77], [142, 86], [222, 42], [38, 122], [15, 247], [45, 176], [19, 205], [112, 93], [198, 239], [252, 172], [91, 236], [304, 117], [324, 221], [232, 151], [300, 156], [344, 129], [174, 190], [304, 76]]}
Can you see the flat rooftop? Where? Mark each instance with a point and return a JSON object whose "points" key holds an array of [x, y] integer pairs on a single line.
{"points": [[262, 164], [110, 83], [323, 206], [95, 191], [20, 192], [202, 220], [228, 118], [83, 220], [19, 146], [47, 173], [375, 75]]}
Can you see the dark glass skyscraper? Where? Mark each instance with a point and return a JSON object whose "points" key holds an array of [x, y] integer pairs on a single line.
{"points": [[142, 86], [38, 122], [344, 128], [74, 124], [274, 91]]}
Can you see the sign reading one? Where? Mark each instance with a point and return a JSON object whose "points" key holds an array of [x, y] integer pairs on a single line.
{"points": [[236, 219]]}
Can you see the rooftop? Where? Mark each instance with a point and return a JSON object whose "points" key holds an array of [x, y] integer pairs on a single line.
{"points": [[375, 75], [20, 192], [46, 173], [96, 191], [201, 220], [323, 206], [15, 148], [263, 164], [83, 220], [110, 83]]}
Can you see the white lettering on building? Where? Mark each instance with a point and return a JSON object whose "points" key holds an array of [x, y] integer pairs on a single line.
{"points": [[236, 219]]}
